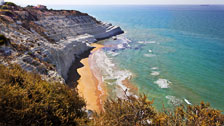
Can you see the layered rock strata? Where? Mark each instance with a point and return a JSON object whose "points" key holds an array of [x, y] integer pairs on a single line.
{"points": [[49, 41]]}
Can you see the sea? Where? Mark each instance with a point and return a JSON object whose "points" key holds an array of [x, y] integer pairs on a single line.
{"points": [[174, 54]]}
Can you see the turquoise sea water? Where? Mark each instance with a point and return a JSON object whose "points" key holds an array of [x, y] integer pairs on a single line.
{"points": [[175, 54]]}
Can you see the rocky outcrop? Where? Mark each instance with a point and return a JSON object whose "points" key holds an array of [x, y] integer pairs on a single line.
{"points": [[48, 42]]}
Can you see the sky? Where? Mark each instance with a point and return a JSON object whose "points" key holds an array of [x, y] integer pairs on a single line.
{"points": [[99, 2]]}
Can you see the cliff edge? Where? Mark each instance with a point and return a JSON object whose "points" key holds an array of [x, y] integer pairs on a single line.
{"points": [[48, 42]]}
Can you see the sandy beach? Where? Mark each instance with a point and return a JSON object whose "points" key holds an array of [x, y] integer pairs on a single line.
{"points": [[87, 84]]}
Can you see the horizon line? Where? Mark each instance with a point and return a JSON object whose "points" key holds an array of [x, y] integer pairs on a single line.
{"points": [[127, 4]]}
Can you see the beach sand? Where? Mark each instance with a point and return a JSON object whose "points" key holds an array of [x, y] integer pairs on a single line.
{"points": [[87, 84]]}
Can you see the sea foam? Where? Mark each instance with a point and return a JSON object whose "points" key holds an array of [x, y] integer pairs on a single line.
{"points": [[154, 68], [108, 72], [149, 55], [147, 42], [187, 101], [163, 83], [155, 73], [122, 42]]}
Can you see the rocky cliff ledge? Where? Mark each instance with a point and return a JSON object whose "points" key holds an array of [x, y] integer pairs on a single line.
{"points": [[49, 41]]}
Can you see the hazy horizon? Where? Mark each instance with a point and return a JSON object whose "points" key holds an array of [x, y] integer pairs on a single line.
{"points": [[117, 2]]}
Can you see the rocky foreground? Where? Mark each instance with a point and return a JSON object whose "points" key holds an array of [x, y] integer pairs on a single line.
{"points": [[48, 42]]}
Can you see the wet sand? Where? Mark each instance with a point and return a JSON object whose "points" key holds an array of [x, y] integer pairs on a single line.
{"points": [[87, 84]]}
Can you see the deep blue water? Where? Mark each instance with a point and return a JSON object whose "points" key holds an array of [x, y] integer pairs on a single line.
{"points": [[176, 53]]}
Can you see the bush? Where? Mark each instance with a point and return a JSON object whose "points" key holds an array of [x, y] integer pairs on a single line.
{"points": [[197, 115], [26, 99], [127, 112], [139, 112]]}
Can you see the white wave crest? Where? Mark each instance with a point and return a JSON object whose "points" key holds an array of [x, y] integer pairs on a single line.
{"points": [[150, 51], [154, 68], [120, 46], [147, 42], [187, 101], [155, 73], [122, 42], [124, 39], [163, 83], [149, 55], [103, 66]]}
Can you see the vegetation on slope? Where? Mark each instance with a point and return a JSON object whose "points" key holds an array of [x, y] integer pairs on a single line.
{"points": [[139, 112], [26, 99]]}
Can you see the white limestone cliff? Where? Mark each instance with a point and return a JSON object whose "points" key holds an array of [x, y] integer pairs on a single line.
{"points": [[71, 37], [71, 34]]}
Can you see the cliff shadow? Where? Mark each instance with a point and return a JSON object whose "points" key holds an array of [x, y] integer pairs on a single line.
{"points": [[73, 75]]}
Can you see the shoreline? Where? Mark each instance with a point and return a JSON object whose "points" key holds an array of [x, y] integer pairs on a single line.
{"points": [[88, 84]]}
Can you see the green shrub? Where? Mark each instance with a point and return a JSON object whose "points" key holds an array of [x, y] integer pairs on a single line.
{"points": [[126, 112], [139, 112], [26, 99], [197, 115]]}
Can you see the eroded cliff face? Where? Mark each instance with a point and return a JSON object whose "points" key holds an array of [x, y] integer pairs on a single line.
{"points": [[49, 41]]}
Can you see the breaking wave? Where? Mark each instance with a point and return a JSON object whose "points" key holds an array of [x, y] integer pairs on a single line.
{"points": [[163, 83], [149, 55], [154, 68], [107, 72], [122, 42], [187, 101], [155, 73], [147, 42]]}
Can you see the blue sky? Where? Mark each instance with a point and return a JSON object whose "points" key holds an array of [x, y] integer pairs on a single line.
{"points": [[85, 2]]}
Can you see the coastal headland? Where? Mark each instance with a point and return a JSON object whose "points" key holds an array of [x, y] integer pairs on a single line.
{"points": [[49, 42]]}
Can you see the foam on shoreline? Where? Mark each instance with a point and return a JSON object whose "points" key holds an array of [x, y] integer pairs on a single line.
{"points": [[88, 85], [106, 71], [101, 78]]}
